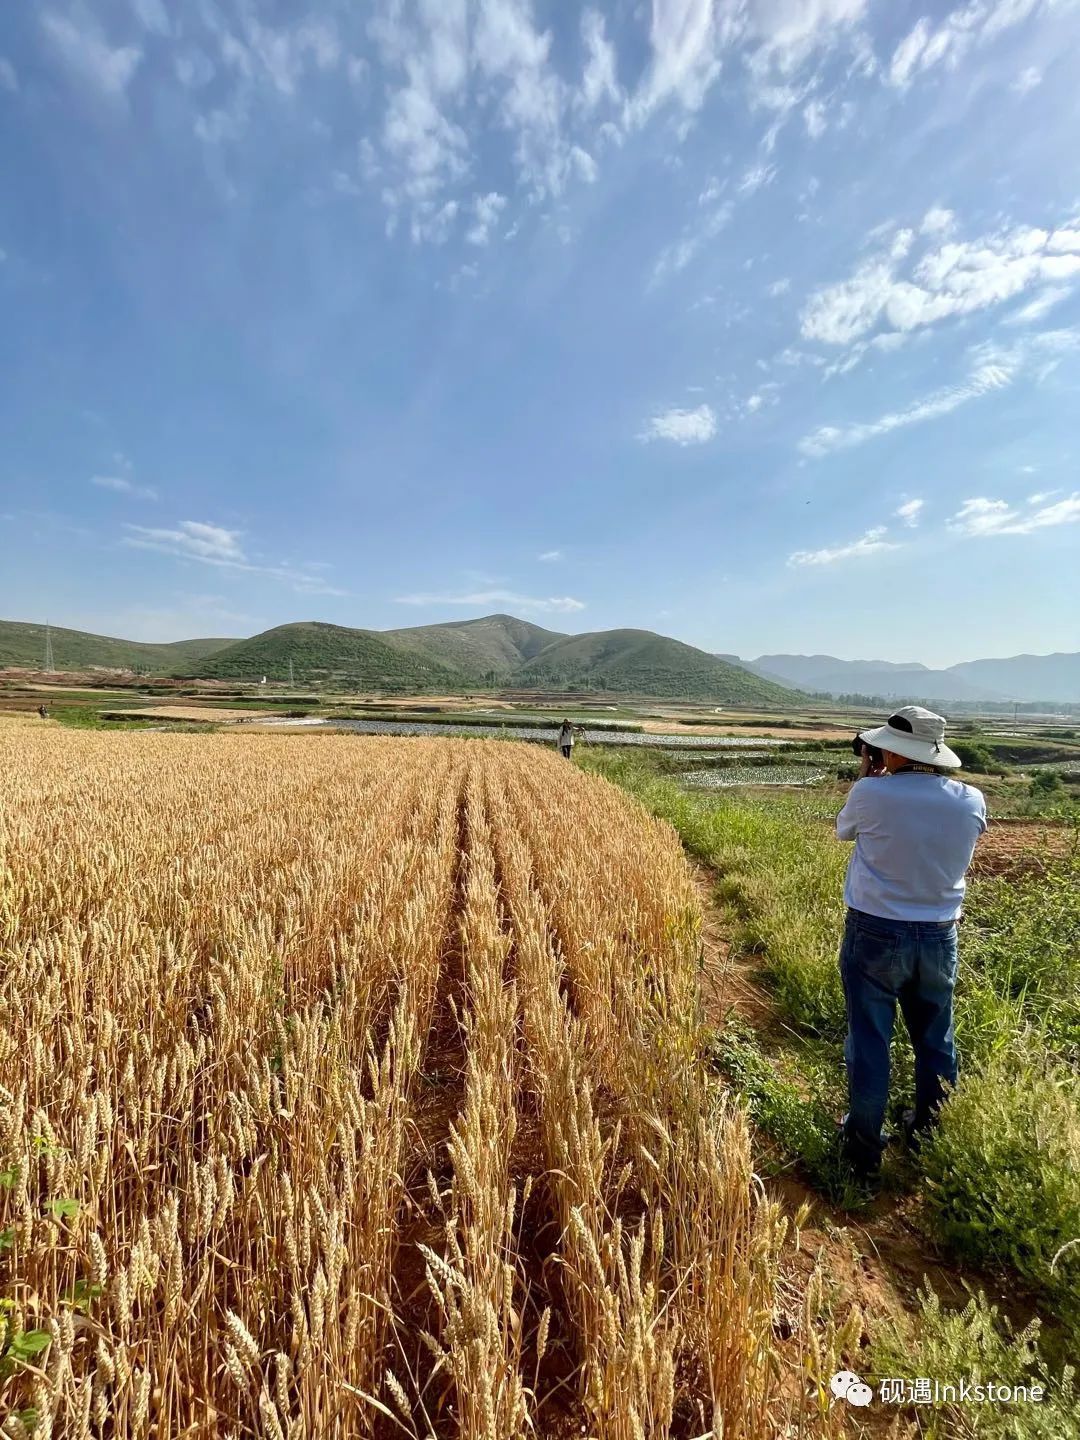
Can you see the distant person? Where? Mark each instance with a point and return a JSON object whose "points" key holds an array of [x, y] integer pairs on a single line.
{"points": [[566, 739], [915, 831], [43, 711]]}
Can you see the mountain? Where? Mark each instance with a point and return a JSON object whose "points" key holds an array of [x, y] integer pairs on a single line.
{"points": [[23, 644], [1026, 677], [640, 662], [1021, 677], [458, 654], [321, 652], [494, 644]]}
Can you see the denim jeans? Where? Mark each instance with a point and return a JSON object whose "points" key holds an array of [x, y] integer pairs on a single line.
{"points": [[885, 962]]}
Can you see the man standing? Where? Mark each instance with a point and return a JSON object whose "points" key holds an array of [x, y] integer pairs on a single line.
{"points": [[566, 740], [915, 832]]}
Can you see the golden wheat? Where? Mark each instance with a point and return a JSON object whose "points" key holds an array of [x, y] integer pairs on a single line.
{"points": [[354, 1087]]}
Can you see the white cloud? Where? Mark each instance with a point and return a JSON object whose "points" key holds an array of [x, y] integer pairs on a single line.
{"points": [[487, 209], [1029, 79], [909, 512], [982, 517], [814, 119], [872, 543], [779, 287], [755, 178], [510, 50], [1038, 308], [550, 557], [88, 54], [193, 538], [683, 427], [679, 253], [827, 438], [927, 45], [599, 81], [8, 78], [124, 487], [551, 604], [957, 278], [938, 221], [433, 226], [214, 545]]}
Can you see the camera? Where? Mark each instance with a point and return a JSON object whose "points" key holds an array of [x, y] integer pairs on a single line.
{"points": [[877, 759]]}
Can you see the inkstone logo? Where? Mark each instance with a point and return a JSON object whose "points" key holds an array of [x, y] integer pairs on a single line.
{"points": [[846, 1385]]}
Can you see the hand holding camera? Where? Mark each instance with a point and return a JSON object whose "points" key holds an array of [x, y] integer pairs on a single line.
{"points": [[873, 760]]}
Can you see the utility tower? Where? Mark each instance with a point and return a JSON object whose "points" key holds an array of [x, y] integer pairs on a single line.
{"points": [[49, 666], [292, 677]]}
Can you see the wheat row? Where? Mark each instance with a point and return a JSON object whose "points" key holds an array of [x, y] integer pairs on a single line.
{"points": [[354, 1087]]}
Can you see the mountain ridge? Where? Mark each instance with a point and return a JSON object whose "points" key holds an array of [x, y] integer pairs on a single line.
{"points": [[503, 649]]}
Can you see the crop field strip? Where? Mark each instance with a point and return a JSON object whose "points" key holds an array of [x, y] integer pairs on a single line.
{"points": [[353, 1088]]}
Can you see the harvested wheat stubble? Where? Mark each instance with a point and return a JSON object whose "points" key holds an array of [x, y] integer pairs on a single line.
{"points": [[351, 1087]]}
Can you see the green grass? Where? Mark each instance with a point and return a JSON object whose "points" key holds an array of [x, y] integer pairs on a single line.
{"points": [[1000, 1180]]}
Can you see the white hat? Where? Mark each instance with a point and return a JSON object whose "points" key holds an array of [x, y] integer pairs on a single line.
{"points": [[917, 734]]}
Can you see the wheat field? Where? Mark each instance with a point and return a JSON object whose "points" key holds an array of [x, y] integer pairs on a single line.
{"points": [[353, 1087]]}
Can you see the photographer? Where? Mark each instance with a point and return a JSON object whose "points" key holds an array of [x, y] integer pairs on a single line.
{"points": [[915, 831]]}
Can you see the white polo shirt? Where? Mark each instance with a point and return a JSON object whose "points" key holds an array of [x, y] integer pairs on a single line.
{"points": [[914, 838]]}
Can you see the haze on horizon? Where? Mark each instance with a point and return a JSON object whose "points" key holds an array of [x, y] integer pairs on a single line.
{"points": [[754, 324]]}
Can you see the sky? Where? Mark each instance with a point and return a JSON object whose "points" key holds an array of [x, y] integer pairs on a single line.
{"points": [[753, 322]]}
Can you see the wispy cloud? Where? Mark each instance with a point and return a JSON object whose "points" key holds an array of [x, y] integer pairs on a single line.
{"points": [[957, 278], [871, 543], [755, 178], [1038, 308], [1029, 79], [486, 209], [682, 427], [124, 486], [679, 253], [909, 512], [9, 80], [87, 54], [550, 557], [982, 517], [551, 604], [928, 44], [214, 545], [827, 438]]}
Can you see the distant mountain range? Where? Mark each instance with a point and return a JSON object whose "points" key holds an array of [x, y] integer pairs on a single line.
{"points": [[512, 653], [1020, 677]]}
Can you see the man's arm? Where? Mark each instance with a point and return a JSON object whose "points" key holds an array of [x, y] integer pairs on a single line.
{"points": [[847, 822]]}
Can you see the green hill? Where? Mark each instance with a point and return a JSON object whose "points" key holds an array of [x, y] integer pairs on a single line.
{"points": [[326, 654], [642, 663], [492, 646], [23, 644], [455, 656]]}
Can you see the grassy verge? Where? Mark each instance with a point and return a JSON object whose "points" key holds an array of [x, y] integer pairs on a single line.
{"points": [[1000, 1180]]}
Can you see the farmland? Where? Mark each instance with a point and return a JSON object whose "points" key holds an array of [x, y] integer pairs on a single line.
{"points": [[355, 1087]]}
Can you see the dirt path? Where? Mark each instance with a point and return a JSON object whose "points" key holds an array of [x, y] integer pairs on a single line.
{"points": [[876, 1259]]}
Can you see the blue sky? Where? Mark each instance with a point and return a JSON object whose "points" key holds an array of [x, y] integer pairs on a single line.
{"points": [[755, 322]]}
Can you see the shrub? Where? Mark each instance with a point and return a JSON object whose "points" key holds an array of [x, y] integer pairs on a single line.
{"points": [[1046, 782], [977, 1345], [976, 756], [1003, 1174]]}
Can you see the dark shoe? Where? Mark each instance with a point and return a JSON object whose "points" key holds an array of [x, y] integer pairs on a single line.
{"points": [[861, 1158], [915, 1130]]}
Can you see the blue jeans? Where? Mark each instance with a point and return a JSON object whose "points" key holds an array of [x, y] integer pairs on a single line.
{"points": [[885, 962]]}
